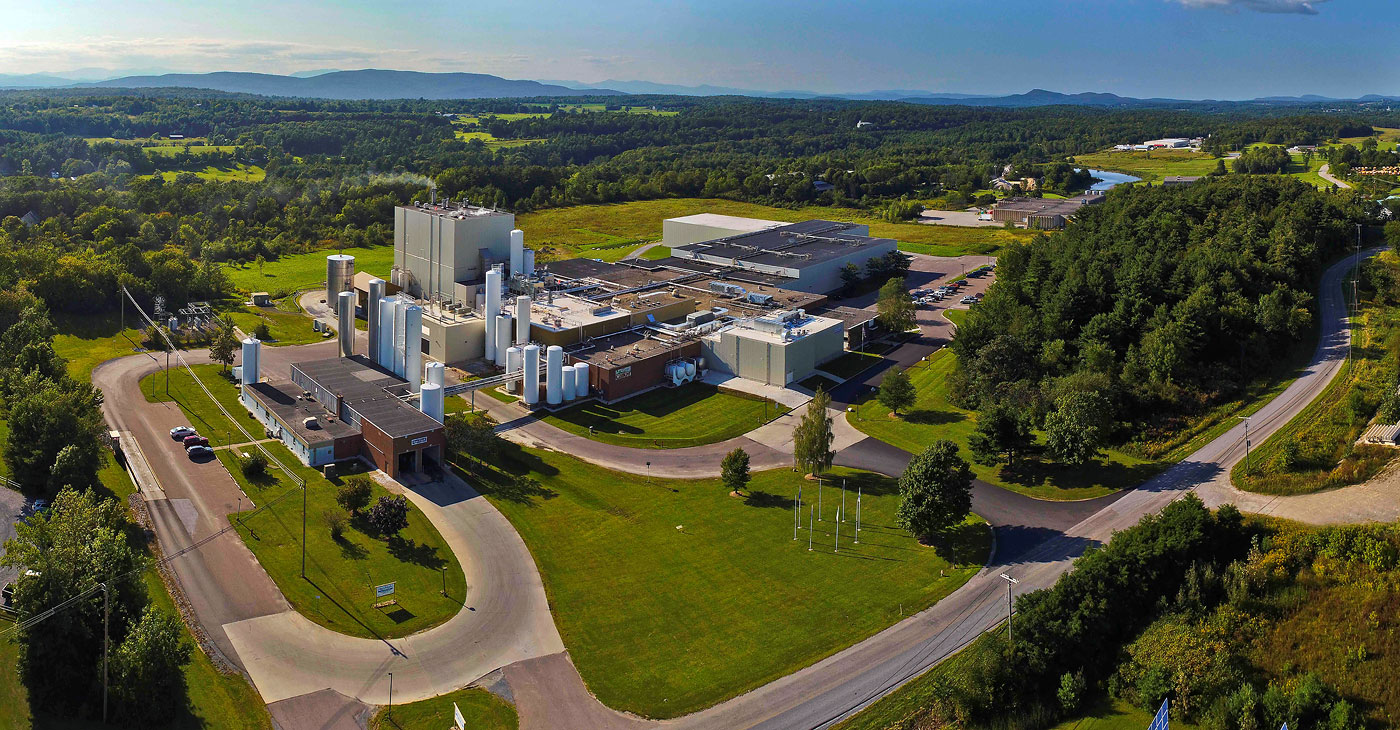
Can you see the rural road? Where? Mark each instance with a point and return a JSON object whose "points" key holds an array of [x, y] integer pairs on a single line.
{"points": [[1325, 172]]}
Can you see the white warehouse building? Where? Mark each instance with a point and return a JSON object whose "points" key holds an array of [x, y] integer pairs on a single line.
{"points": [[776, 349]]}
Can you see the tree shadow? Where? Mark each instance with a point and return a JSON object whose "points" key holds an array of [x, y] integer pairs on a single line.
{"points": [[927, 417], [759, 498], [1032, 471], [961, 544], [866, 482], [409, 551], [350, 550]]}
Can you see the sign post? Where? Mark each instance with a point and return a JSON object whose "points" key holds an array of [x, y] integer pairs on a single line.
{"points": [[459, 722], [385, 590]]}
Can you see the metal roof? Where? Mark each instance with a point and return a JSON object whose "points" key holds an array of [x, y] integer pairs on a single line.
{"points": [[370, 391]]}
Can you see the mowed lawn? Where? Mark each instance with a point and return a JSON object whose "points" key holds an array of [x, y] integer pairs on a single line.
{"points": [[202, 413], [88, 340], [610, 231], [1152, 165], [306, 270], [933, 418], [338, 590], [481, 709], [672, 596], [286, 328], [669, 418]]}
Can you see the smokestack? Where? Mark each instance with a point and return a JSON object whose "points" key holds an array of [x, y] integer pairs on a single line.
{"points": [[554, 375], [532, 375], [492, 308], [502, 338], [413, 346], [430, 401], [376, 293], [386, 333], [517, 252], [522, 319]]}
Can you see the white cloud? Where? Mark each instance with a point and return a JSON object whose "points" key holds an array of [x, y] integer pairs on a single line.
{"points": [[1298, 7]]}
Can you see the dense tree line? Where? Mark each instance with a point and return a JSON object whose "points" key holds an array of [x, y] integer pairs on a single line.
{"points": [[1153, 305]]}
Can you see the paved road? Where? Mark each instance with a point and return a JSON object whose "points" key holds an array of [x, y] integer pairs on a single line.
{"points": [[1325, 172], [13, 507]]}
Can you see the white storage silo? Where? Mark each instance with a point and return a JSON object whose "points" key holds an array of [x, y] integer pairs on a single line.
{"points": [[529, 262], [491, 308], [522, 319], [413, 346], [340, 276], [517, 252], [513, 360], [435, 373], [345, 322], [566, 382], [503, 334], [553, 375], [400, 335], [376, 293], [532, 374], [581, 380], [386, 333], [251, 350], [430, 401]]}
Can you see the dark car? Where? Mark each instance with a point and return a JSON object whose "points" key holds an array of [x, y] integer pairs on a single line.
{"points": [[195, 441], [199, 451]]}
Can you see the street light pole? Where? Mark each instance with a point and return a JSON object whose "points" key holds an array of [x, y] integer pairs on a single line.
{"points": [[1010, 585]]}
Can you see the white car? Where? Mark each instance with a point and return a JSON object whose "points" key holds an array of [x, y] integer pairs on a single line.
{"points": [[180, 432]]}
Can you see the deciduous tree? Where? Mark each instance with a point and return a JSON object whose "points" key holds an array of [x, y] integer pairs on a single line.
{"points": [[734, 470], [935, 491], [811, 440], [897, 390]]}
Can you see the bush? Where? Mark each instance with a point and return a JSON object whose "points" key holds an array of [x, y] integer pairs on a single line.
{"points": [[389, 515], [335, 522], [262, 332], [254, 465], [1071, 694]]}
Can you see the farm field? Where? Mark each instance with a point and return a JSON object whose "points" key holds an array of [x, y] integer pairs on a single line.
{"points": [[296, 272], [707, 572], [1152, 165], [668, 418], [601, 231], [238, 173]]}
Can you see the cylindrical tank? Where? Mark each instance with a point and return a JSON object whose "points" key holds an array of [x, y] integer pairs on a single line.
{"points": [[386, 333], [513, 366], [517, 251], [400, 335], [529, 262], [436, 373], [581, 380], [376, 293], [690, 368], [251, 350], [522, 319], [430, 401], [340, 275], [413, 346], [503, 336], [554, 375], [531, 384], [491, 309], [345, 322], [566, 382]]}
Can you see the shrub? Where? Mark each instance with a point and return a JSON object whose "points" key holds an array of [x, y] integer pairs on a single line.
{"points": [[389, 515], [1071, 693], [254, 465], [354, 495], [335, 522]]}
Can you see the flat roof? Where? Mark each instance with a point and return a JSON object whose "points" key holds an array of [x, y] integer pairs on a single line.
{"points": [[733, 222], [285, 401], [1048, 206], [455, 210], [850, 316], [794, 245], [371, 392], [801, 328], [622, 349]]}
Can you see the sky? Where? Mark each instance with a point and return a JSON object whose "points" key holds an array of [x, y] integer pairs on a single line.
{"points": [[1221, 49]]}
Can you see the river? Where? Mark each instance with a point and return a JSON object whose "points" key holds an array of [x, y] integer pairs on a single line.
{"points": [[1108, 180]]}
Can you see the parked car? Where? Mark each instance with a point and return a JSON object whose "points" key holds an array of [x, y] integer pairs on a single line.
{"points": [[194, 441], [199, 451], [7, 597], [968, 300], [180, 432]]}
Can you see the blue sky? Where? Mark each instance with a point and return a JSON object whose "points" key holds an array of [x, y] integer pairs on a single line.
{"points": [[1178, 48]]}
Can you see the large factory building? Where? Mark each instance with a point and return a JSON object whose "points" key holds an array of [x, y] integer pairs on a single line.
{"points": [[805, 256]]}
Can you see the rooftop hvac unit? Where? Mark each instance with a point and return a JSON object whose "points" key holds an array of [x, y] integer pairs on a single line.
{"points": [[757, 298]]}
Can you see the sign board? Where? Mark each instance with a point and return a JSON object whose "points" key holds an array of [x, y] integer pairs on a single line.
{"points": [[385, 590], [460, 723], [419, 440], [623, 372]]}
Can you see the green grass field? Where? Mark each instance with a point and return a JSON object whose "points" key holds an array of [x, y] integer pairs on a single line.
{"points": [[491, 141], [305, 270], [481, 709], [338, 591], [204, 417], [87, 341], [956, 316], [170, 150], [933, 417], [1151, 165], [596, 231], [286, 328], [669, 418], [672, 595], [238, 173]]}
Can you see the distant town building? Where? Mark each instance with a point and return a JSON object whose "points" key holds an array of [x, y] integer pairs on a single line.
{"points": [[1042, 213], [1180, 180]]}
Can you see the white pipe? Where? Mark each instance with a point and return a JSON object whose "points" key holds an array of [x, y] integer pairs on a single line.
{"points": [[492, 308], [554, 374], [386, 333], [413, 346], [522, 319], [532, 374]]}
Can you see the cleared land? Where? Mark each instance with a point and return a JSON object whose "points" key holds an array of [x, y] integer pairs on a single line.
{"points": [[603, 231], [933, 417], [338, 591], [300, 271], [286, 328], [87, 341], [481, 709], [672, 595], [1151, 165], [239, 172], [491, 141], [669, 418]]}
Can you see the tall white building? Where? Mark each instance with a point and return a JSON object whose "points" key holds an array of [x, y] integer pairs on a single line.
{"points": [[442, 251]]}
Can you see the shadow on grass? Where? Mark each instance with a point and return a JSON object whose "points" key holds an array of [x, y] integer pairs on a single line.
{"points": [[349, 550], [759, 498], [1031, 471], [961, 545], [925, 417], [865, 482], [409, 551]]}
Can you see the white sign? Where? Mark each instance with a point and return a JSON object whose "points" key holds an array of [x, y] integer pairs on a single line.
{"points": [[461, 722], [385, 590], [419, 440]]}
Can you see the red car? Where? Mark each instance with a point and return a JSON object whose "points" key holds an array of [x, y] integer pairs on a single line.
{"points": [[195, 440]]}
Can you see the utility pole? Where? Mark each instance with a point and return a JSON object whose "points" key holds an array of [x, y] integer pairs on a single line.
{"points": [[857, 514], [1246, 442], [303, 532], [390, 711], [167, 372], [1010, 584], [106, 612]]}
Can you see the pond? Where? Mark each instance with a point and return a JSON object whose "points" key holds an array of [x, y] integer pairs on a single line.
{"points": [[1108, 180]]}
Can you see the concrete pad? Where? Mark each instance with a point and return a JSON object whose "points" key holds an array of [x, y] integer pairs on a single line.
{"points": [[324, 710], [776, 393]]}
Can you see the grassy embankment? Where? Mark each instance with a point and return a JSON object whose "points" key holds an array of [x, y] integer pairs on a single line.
{"points": [[204, 417], [1154, 165], [296, 272], [703, 574], [1317, 449], [933, 417], [669, 418], [609, 232], [481, 709]]}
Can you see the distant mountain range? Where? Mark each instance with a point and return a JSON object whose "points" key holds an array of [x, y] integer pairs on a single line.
{"points": [[385, 84]]}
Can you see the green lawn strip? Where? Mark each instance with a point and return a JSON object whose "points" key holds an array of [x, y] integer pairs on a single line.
{"points": [[656, 253], [933, 417], [296, 272], [481, 709], [669, 418], [203, 415], [672, 595], [956, 316], [338, 591], [239, 172], [498, 394], [1327, 428], [850, 364], [88, 340], [566, 232], [286, 328]]}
